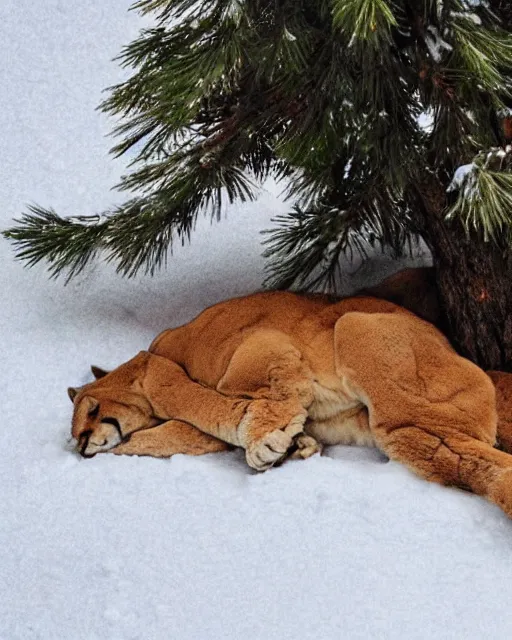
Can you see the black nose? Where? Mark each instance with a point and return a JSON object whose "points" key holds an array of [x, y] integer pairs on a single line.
{"points": [[83, 441]]}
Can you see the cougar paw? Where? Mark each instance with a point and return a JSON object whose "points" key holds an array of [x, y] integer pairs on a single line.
{"points": [[305, 447], [274, 446]]}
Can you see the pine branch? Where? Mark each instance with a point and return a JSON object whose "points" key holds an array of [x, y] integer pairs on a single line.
{"points": [[483, 53], [306, 248], [368, 21], [135, 236], [325, 94], [68, 244], [484, 195]]}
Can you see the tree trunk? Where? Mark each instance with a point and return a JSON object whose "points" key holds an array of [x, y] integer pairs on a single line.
{"points": [[474, 281]]}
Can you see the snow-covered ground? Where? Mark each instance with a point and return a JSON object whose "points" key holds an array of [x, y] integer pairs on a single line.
{"points": [[347, 546]]}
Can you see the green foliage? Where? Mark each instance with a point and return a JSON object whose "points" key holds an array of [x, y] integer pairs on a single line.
{"points": [[484, 199], [136, 235], [311, 241], [68, 244], [369, 21], [328, 96]]}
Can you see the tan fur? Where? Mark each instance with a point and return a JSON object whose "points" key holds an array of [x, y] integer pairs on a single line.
{"points": [[503, 385], [281, 374]]}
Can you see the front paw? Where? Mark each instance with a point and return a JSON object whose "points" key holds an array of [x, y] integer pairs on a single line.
{"points": [[275, 445]]}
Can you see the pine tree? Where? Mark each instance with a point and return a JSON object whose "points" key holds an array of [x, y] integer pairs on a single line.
{"points": [[388, 120]]}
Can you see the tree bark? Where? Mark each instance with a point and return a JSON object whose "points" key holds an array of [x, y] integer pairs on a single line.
{"points": [[474, 282]]}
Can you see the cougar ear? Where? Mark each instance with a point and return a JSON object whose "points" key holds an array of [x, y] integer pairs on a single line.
{"points": [[91, 405], [72, 393], [97, 372]]}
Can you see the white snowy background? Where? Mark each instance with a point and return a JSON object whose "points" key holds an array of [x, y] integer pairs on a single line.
{"points": [[347, 546]]}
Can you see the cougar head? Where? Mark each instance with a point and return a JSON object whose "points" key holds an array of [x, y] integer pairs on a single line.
{"points": [[107, 411]]}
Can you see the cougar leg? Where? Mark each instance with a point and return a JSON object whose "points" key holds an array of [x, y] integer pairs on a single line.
{"points": [[428, 408], [170, 438], [266, 429], [503, 384], [450, 458], [267, 364]]}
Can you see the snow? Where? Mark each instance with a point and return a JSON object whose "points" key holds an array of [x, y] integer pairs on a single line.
{"points": [[467, 16], [289, 36], [464, 176], [435, 43], [425, 121], [346, 546]]}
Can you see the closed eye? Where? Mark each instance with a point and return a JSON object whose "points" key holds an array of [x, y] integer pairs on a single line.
{"points": [[111, 421], [115, 423]]}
